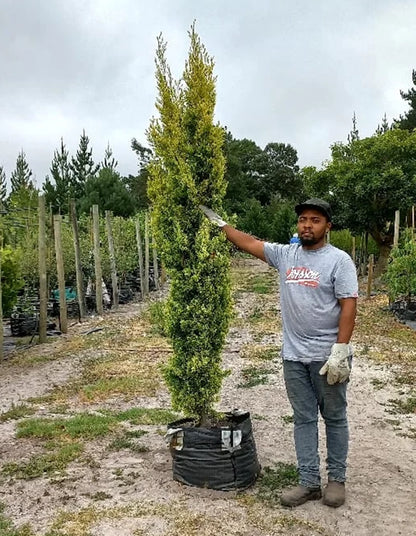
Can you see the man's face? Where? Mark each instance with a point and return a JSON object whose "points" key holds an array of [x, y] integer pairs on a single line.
{"points": [[312, 228]]}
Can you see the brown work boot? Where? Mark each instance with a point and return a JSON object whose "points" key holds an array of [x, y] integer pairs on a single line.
{"points": [[299, 495], [334, 494]]}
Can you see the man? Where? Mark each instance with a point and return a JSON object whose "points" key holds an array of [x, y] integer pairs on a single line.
{"points": [[318, 292]]}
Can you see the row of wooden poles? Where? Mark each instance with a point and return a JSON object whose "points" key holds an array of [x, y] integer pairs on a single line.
{"points": [[143, 265]]}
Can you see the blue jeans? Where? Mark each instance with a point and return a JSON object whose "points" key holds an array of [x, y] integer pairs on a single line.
{"points": [[308, 392]]}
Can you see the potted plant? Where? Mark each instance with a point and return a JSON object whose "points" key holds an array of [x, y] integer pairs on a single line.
{"points": [[187, 170]]}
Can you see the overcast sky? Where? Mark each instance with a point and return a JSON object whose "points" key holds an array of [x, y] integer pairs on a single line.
{"points": [[291, 71]]}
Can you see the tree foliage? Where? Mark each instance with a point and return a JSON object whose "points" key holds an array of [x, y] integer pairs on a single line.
{"points": [[188, 170], [407, 121], [82, 167], [401, 270], [60, 190], [21, 177]]}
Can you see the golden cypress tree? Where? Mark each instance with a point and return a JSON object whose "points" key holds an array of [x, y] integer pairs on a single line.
{"points": [[188, 170]]}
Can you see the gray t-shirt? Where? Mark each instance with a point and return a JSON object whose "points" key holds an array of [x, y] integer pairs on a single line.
{"points": [[311, 282]]}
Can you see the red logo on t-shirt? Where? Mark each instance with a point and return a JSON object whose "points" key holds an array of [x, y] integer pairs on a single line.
{"points": [[302, 276]]}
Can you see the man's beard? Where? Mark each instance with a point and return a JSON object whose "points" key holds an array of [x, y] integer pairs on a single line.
{"points": [[310, 241]]}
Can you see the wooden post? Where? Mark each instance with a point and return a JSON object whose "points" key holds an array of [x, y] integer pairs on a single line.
{"points": [[63, 319], [146, 254], [353, 254], [78, 269], [43, 291], [396, 228], [140, 255], [1, 297], [370, 275], [97, 261], [114, 281], [156, 268]]}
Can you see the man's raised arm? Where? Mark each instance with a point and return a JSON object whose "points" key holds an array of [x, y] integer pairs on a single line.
{"points": [[243, 241]]}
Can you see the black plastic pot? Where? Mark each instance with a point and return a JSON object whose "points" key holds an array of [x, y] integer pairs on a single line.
{"points": [[221, 458]]}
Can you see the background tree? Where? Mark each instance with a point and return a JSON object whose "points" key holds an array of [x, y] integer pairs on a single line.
{"points": [[367, 181], [59, 192], [137, 184], [188, 170], [3, 189], [82, 167], [21, 175], [109, 161], [408, 120], [108, 191], [280, 173]]}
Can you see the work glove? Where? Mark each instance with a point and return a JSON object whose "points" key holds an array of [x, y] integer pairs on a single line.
{"points": [[213, 216], [337, 368]]}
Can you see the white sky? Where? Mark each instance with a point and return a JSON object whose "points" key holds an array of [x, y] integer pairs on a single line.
{"points": [[291, 71]]}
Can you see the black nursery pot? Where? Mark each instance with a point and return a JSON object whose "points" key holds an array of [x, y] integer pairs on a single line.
{"points": [[221, 458]]}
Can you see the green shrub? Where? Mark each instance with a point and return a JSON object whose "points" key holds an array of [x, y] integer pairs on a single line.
{"points": [[401, 270], [11, 278]]}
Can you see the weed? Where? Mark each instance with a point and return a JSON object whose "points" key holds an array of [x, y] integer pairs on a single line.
{"points": [[274, 479], [16, 412], [403, 406], [377, 383], [44, 464], [157, 318], [254, 376], [7, 529], [287, 419]]}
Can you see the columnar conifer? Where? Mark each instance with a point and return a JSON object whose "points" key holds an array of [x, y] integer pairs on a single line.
{"points": [[188, 170]]}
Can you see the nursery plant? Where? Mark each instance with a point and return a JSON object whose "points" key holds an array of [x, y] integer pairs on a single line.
{"points": [[187, 170]]}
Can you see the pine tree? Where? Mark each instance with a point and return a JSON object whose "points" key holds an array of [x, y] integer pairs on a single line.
{"points": [[188, 170], [58, 192], [408, 120], [383, 127], [21, 176], [82, 167], [3, 188], [109, 161]]}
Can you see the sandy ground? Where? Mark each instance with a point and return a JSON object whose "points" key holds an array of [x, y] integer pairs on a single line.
{"points": [[129, 494]]}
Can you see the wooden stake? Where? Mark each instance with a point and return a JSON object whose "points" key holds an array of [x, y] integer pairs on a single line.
{"points": [[97, 261], [63, 319], [78, 268], [114, 280], [1, 298], [370, 275], [396, 228], [353, 253], [146, 254], [43, 291], [140, 255]]}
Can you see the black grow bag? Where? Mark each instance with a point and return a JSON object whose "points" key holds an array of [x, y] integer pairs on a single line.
{"points": [[221, 458]]}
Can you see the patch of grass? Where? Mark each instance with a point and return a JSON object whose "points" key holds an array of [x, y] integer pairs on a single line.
{"points": [[274, 479], [84, 425], [7, 528], [44, 464], [17, 412], [125, 441], [407, 405], [259, 352], [139, 416], [253, 376], [287, 419]]}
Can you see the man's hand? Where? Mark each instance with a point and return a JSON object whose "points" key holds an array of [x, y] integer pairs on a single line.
{"points": [[213, 216], [337, 367]]}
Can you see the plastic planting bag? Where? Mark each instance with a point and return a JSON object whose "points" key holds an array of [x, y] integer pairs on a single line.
{"points": [[222, 457]]}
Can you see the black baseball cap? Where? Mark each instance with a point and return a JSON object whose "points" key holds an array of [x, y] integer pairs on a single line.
{"points": [[316, 203]]}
